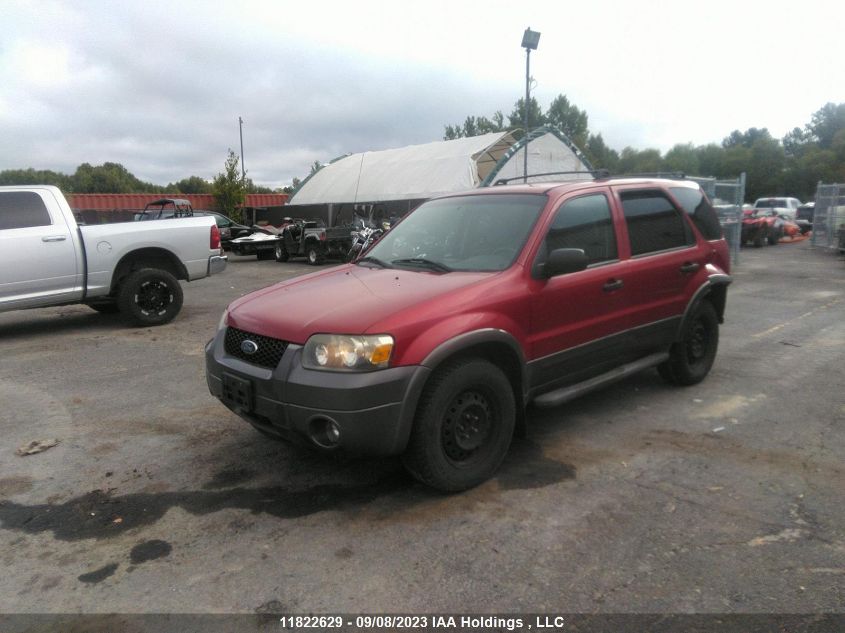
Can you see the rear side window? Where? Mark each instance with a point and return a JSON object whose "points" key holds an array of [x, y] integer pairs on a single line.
{"points": [[654, 224], [584, 223], [22, 209], [698, 208]]}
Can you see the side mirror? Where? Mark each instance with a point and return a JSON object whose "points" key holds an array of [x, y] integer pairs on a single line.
{"points": [[564, 260]]}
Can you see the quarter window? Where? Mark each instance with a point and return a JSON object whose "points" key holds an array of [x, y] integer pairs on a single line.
{"points": [[698, 208], [654, 224], [584, 223], [22, 209]]}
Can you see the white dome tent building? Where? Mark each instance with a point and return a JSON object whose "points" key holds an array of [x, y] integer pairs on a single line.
{"points": [[397, 180]]}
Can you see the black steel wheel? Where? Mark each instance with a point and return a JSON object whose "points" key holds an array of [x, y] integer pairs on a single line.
{"points": [[691, 358], [150, 297], [463, 427]]}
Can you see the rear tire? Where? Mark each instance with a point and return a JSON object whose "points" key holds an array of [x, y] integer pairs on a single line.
{"points": [[691, 358], [463, 427], [315, 255], [775, 237], [150, 297]]}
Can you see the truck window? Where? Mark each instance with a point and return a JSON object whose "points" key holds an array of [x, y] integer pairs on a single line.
{"points": [[654, 224], [22, 209], [584, 223]]}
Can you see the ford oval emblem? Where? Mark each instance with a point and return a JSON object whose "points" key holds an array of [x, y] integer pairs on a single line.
{"points": [[249, 347]]}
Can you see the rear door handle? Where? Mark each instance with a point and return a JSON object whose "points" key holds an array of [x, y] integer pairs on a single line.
{"points": [[690, 267], [54, 238], [612, 284]]}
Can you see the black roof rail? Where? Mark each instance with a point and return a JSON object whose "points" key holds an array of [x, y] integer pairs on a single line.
{"points": [[673, 175], [595, 173]]}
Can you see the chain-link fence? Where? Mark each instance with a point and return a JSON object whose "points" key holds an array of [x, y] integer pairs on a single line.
{"points": [[829, 217], [727, 197]]}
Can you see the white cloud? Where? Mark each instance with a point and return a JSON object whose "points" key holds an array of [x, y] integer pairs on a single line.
{"points": [[159, 86]]}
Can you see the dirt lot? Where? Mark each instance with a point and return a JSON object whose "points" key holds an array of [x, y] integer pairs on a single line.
{"points": [[723, 497]]}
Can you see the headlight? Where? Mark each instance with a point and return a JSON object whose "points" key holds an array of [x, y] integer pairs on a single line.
{"points": [[222, 323], [338, 352]]}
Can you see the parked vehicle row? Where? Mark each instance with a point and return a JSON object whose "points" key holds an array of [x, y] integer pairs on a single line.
{"points": [[771, 219]]}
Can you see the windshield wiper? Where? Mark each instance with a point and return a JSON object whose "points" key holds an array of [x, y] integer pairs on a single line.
{"points": [[422, 262], [373, 260]]}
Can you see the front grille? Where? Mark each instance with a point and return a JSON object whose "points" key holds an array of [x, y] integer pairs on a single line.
{"points": [[269, 351]]}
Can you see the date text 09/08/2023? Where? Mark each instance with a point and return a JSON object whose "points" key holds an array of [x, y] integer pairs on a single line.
{"points": [[541, 622]]}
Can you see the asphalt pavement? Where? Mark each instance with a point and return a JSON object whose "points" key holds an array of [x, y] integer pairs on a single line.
{"points": [[725, 497]]}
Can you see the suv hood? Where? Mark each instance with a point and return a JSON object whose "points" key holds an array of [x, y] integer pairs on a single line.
{"points": [[345, 300]]}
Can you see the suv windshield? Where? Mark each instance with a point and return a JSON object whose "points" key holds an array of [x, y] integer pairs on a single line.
{"points": [[466, 233]]}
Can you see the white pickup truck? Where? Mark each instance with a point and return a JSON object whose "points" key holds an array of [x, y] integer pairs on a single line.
{"points": [[46, 259]]}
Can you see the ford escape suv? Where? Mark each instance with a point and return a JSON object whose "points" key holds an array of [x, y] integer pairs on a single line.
{"points": [[435, 341]]}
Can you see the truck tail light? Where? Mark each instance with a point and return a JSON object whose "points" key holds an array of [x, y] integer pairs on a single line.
{"points": [[322, 236], [214, 241]]}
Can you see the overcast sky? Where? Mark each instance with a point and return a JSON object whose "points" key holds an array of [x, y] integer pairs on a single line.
{"points": [[159, 86]]}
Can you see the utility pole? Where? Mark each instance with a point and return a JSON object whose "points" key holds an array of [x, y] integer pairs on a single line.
{"points": [[243, 167], [530, 41]]}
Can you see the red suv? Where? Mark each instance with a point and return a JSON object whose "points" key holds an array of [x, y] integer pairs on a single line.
{"points": [[433, 344]]}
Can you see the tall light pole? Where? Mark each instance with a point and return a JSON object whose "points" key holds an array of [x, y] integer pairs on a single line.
{"points": [[243, 167], [530, 41]]}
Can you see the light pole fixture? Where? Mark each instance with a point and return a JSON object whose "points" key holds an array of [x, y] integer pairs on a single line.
{"points": [[530, 41], [243, 167]]}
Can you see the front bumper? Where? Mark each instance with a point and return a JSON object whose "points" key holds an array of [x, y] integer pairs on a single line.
{"points": [[373, 410]]}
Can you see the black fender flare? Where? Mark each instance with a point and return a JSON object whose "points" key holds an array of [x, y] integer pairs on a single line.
{"points": [[715, 283], [452, 348]]}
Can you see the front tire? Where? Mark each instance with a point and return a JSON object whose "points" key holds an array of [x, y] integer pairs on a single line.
{"points": [[150, 297], [281, 253], [463, 427], [691, 358]]}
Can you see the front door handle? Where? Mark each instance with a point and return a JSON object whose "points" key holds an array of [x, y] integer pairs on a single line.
{"points": [[54, 238], [690, 267], [612, 284]]}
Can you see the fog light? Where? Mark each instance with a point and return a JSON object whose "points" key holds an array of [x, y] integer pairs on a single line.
{"points": [[324, 431]]}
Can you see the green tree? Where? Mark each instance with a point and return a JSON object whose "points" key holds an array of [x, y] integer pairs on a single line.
{"points": [[570, 120], [747, 138], [600, 155], [474, 126], [516, 119], [632, 161], [192, 184], [108, 178], [230, 189], [826, 123], [33, 177], [710, 160], [683, 158]]}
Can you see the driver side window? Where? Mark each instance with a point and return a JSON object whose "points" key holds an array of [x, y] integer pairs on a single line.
{"points": [[584, 223]]}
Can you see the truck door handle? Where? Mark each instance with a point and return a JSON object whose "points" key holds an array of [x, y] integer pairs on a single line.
{"points": [[54, 238], [612, 284], [690, 267]]}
